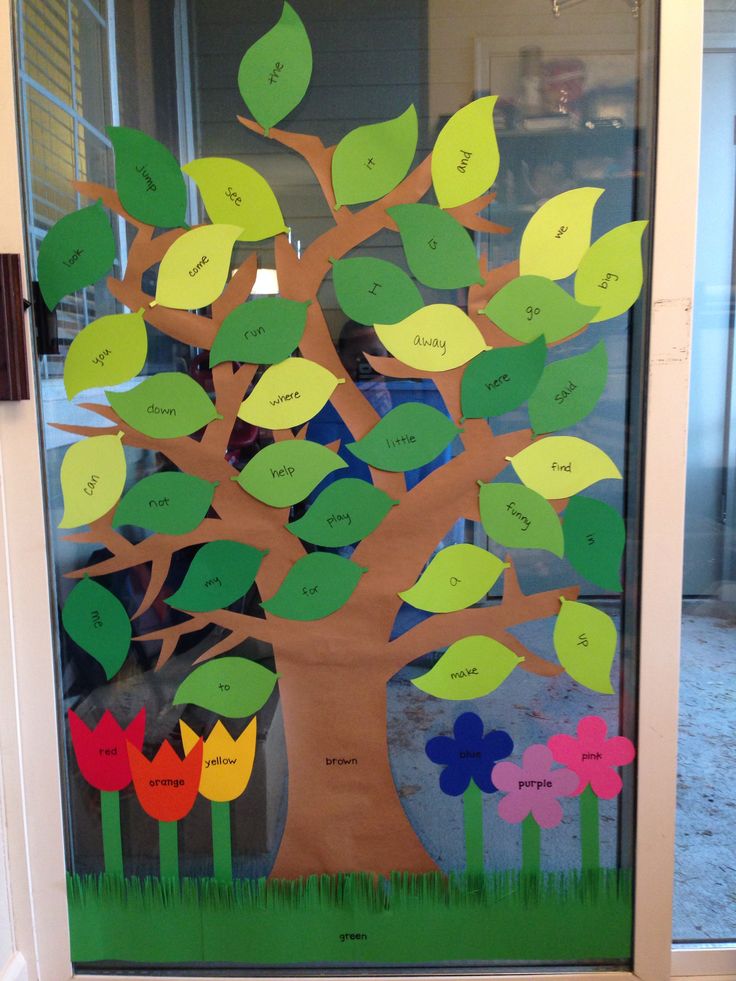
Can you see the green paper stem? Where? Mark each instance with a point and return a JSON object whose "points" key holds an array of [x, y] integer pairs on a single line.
{"points": [[168, 849], [589, 831], [531, 846], [112, 843], [473, 822], [222, 849]]}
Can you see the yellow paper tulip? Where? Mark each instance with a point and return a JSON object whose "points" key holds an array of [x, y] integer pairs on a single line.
{"points": [[227, 763]]}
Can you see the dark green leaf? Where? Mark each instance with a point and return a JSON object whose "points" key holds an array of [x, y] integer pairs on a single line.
{"points": [[96, 620], [569, 390], [220, 573], [147, 178], [172, 503], [594, 541], [77, 251], [315, 586], [231, 686], [344, 512], [439, 251], [263, 331], [373, 291], [500, 380], [409, 436]]}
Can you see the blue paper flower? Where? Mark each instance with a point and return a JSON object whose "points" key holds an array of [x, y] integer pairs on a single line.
{"points": [[469, 756]]}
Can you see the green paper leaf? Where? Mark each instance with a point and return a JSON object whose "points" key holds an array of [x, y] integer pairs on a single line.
{"points": [[560, 466], [500, 380], [558, 234], [165, 406], [585, 643], [236, 194], [262, 331], [96, 620], [610, 274], [439, 337], [407, 437], [92, 479], [288, 394], [371, 160], [233, 687], [315, 586], [373, 291], [147, 178], [284, 473], [517, 517], [465, 158], [195, 269], [275, 71], [594, 541], [569, 390], [77, 251], [470, 668], [457, 577], [439, 251], [108, 351], [344, 513], [171, 503], [532, 305], [220, 573]]}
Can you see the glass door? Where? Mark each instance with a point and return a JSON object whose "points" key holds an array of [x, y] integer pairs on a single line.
{"points": [[342, 450]]}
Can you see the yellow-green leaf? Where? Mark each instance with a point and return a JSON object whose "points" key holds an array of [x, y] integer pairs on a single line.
{"points": [[371, 160], [195, 269], [457, 577], [558, 234], [610, 274], [585, 642], [465, 158], [236, 194], [108, 351], [288, 394], [436, 338], [560, 466], [470, 668], [92, 479]]}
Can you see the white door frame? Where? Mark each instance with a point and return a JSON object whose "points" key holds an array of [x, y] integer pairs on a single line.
{"points": [[28, 735]]}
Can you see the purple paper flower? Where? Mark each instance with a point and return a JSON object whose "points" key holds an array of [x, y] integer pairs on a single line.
{"points": [[469, 756], [533, 788]]}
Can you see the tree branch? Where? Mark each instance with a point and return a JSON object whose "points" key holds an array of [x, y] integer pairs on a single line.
{"points": [[241, 627]]}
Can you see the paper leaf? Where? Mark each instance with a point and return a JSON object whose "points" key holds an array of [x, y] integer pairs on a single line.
{"points": [[439, 251], [92, 479], [469, 668], [457, 577], [262, 331], [407, 437], [235, 194], [233, 687], [275, 71], [594, 541], [610, 274], [517, 517], [344, 513], [220, 573], [532, 305], [373, 291], [500, 380], [196, 267], [75, 252], [315, 586], [371, 160], [108, 351], [288, 394], [465, 158], [585, 643], [96, 620], [171, 503], [165, 406], [436, 338], [560, 466], [569, 390], [147, 178], [558, 234], [284, 473]]}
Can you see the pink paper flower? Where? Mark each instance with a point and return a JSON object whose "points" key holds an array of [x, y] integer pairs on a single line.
{"points": [[593, 757], [533, 788]]}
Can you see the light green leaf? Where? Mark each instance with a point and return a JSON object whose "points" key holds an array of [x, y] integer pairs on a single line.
{"points": [[439, 337], [610, 275], [95, 619], [288, 394], [560, 466], [171, 503], [569, 390], [465, 158], [195, 269], [92, 479], [585, 642], [373, 291], [457, 577], [165, 406], [230, 686], [558, 234], [500, 380], [517, 517], [594, 541], [261, 331], [532, 305], [371, 160], [345, 512], [470, 668], [75, 252], [284, 473], [220, 573], [108, 351], [315, 587], [407, 437], [147, 178], [439, 251]]}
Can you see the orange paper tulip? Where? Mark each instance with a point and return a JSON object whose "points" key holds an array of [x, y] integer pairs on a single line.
{"points": [[166, 786]]}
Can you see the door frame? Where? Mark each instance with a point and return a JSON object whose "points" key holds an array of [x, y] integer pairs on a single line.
{"points": [[28, 737]]}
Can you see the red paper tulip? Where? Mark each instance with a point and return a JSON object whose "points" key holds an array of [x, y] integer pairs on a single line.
{"points": [[166, 786], [102, 753]]}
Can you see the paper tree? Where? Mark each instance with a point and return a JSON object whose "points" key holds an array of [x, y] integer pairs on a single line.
{"points": [[330, 617]]}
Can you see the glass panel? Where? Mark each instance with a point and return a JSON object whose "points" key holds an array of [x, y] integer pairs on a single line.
{"points": [[352, 819], [705, 879]]}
